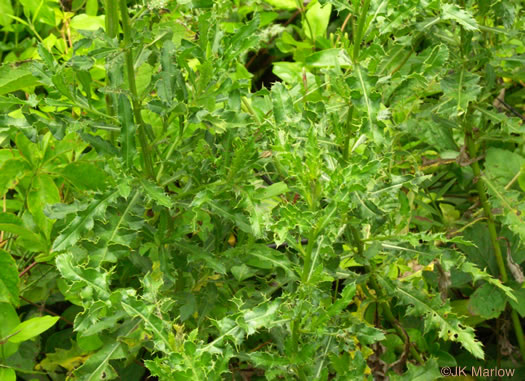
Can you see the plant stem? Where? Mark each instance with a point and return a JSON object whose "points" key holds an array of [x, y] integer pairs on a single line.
{"points": [[112, 32], [385, 307], [349, 118], [146, 149], [358, 33], [480, 186]]}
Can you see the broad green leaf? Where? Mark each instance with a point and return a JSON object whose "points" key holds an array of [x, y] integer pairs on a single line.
{"points": [[10, 320], [272, 191], [7, 374], [428, 371], [30, 240], [86, 22], [10, 172], [85, 175], [519, 303], [242, 272], [31, 328], [488, 301], [317, 18], [461, 16], [15, 78], [329, 58], [262, 257], [288, 71], [8, 279], [42, 11], [91, 7], [502, 165], [340, 5], [282, 4], [5, 9], [282, 104], [43, 192]]}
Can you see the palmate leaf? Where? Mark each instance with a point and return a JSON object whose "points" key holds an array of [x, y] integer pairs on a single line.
{"points": [[437, 316]]}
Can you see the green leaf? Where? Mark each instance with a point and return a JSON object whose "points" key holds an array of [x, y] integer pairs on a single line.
{"points": [[31, 328], [436, 316], [156, 193], [502, 165], [461, 16], [262, 257], [82, 223], [85, 175], [329, 58], [98, 366], [261, 316], [7, 374], [15, 78], [282, 4], [10, 320], [462, 88], [282, 104], [242, 272], [317, 18], [519, 303], [11, 172], [5, 9], [8, 279], [13, 224], [86, 22], [428, 371], [154, 324], [43, 192], [488, 301], [273, 190], [86, 277]]}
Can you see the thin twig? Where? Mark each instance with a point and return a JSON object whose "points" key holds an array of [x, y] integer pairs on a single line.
{"points": [[24, 271], [47, 310]]}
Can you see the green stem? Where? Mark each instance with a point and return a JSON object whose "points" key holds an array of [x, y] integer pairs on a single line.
{"points": [[480, 186], [349, 118], [359, 32], [112, 32], [146, 148]]}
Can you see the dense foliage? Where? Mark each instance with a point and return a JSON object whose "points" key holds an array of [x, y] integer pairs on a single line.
{"points": [[261, 190]]}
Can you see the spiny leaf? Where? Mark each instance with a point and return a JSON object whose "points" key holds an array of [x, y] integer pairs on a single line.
{"points": [[461, 16], [82, 222]]}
